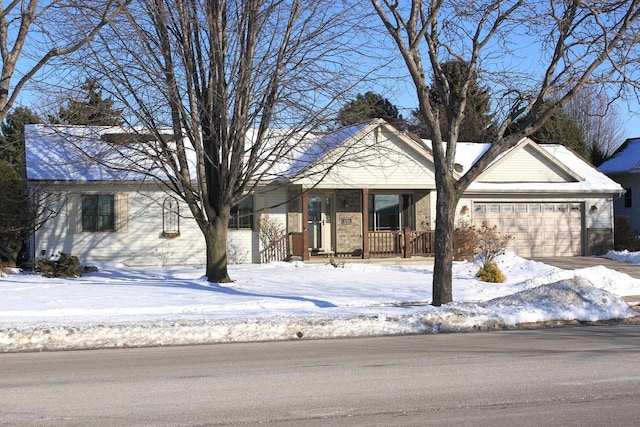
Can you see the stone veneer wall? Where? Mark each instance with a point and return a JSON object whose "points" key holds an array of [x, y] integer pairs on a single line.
{"points": [[423, 210], [348, 224]]}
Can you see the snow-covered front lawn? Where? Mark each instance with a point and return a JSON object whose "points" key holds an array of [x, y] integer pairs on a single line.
{"points": [[122, 307]]}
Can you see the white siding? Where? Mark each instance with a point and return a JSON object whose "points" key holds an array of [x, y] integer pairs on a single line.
{"points": [[138, 239], [525, 165], [379, 160]]}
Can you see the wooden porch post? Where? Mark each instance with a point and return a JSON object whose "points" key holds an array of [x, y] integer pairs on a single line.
{"points": [[365, 223], [407, 243], [304, 199]]}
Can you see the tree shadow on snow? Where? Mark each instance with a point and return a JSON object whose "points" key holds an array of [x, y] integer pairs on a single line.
{"points": [[217, 287]]}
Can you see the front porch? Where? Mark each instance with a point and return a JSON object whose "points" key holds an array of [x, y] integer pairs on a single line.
{"points": [[355, 224]]}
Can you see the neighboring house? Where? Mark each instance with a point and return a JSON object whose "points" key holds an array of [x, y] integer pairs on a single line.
{"points": [[363, 191], [624, 167]]}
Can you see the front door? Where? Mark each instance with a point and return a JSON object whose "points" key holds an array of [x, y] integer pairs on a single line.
{"points": [[319, 223]]}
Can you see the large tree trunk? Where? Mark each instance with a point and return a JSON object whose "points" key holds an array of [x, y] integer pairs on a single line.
{"points": [[446, 202], [215, 235]]}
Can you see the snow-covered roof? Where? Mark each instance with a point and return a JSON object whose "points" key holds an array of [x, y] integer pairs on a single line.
{"points": [[592, 180], [625, 159], [468, 153], [77, 153], [105, 153], [326, 143], [80, 153]]}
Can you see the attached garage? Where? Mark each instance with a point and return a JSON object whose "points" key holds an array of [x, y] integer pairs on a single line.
{"points": [[539, 229]]}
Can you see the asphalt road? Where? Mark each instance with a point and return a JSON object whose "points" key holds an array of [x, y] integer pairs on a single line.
{"points": [[576, 376]]}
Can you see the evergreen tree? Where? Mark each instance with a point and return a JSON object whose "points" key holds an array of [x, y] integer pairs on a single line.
{"points": [[370, 106], [477, 124], [561, 129], [15, 209], [94, 110], [12, 138]]}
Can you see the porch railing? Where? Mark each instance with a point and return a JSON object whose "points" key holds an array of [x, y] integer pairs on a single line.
{"points": [[276, 251], [404, 243], [385, 243]]}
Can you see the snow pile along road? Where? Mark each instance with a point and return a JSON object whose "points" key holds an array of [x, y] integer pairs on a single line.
{"points": [[122, 307]]}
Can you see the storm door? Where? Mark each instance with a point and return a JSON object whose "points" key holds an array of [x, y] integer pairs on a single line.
{"points": [[319, 223]]}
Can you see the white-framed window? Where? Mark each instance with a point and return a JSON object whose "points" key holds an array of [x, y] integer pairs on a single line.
{"points": [[98, 212]]}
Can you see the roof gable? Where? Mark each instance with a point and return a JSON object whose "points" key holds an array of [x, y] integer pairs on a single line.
{"points": [[367, 155], [527, 162]]}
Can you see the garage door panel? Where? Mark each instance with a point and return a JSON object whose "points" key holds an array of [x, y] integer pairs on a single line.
{"points": [[548, 229]]}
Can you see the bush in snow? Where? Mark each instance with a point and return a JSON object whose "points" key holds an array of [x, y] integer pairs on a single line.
{"points": [[64, 265], [490, 243], [623, 238], [465, 241], [490, 272], [273, 239]]}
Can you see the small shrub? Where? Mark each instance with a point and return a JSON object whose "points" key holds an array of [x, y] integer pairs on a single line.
{"points": [[623, 237], [490, 243], [491, 273], [271, 234], [5, 268], [64, 266], [465, 241]]}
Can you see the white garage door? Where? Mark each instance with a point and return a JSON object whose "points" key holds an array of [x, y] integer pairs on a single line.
{"points": [[539, 229]]}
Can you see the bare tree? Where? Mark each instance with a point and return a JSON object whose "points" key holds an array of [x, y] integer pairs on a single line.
{"points": [[597, 117], [33, 33], [234, 81], [526, 51]]}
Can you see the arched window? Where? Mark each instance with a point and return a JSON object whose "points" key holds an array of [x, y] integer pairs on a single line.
{"points": [[170, 217]]}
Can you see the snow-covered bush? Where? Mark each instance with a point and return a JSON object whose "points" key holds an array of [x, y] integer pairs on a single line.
{"points": [[64, 265]]}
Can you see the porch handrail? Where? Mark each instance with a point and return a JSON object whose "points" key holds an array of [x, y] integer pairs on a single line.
{"points": [[277, 250], [404, 243]]}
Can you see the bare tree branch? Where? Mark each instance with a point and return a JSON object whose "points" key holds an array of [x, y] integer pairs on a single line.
{"points": [[579, 42], [26, 18]]}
